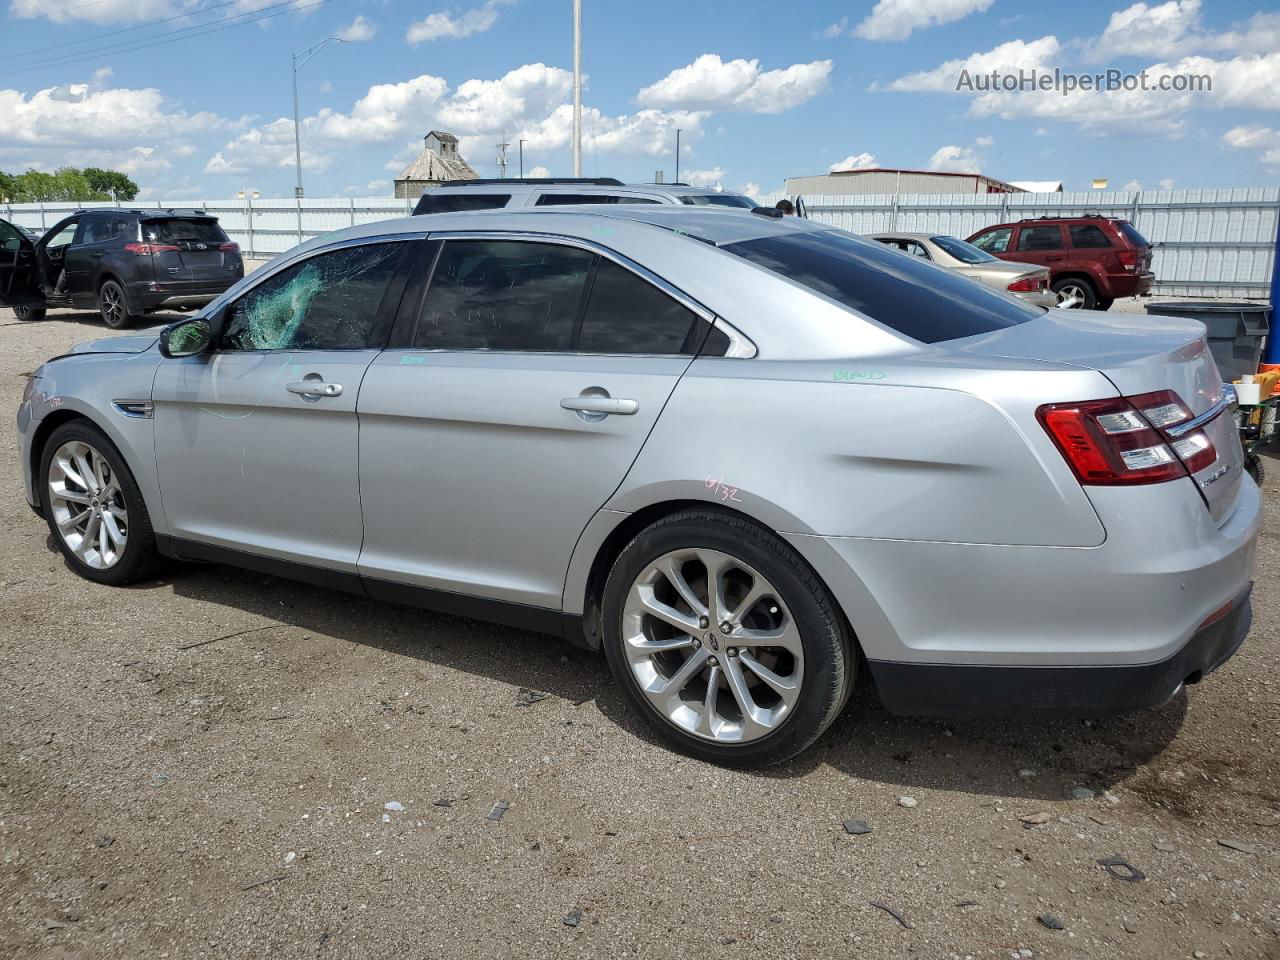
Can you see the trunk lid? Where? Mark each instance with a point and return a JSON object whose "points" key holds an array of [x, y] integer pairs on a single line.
{"points": [[1139, 354]]}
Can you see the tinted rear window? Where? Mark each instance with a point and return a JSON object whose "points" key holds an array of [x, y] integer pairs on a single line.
{"points": [[455, 202], [910, 296], [734, 200], [964, 252], [567, 199], [1131, 234], [176, 230]]}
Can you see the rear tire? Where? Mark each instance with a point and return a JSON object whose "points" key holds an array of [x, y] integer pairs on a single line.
{"points": [[1253, 466], [113, 304], [1069, 288], [770, 701], [29, 314], [1104, 303], [86, 488]]}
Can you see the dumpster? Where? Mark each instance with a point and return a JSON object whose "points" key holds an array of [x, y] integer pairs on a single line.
{"points": [[1236, 330]]}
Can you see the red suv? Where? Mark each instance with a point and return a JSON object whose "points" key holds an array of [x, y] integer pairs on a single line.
{"points": [[1092, 260]]}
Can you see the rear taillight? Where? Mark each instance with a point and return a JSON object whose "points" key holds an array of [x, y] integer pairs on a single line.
{"points": [[1128, 258], [230, 248], [1127, 440], [147, 249], [1027, 284]]}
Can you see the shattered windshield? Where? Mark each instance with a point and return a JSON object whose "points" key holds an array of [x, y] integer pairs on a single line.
{"points": [[328, 302]]}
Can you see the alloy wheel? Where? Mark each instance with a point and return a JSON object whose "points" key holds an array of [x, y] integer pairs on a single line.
{"points": [[112, 304], [712, 645], [1071, 292], [88, 505]]}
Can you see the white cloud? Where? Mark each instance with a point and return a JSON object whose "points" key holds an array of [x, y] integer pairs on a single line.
{"points": [[855, 161], [1173, 28], [437, 25], [77, 115], [703, 178], [954, 159], [710, 83], [269, 146], [101, 11], [539, 171], [387, 110], [837, 28], [750, 189], [358, 31], [896, 19], [520, 96], [143, 160], [1006, 58], [1257, 137], [1166, 183], [984, 141], [1132, 186]]}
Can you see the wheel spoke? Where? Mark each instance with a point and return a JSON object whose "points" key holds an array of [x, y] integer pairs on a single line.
{"points": [[72, 521], [678, 642], [670, 568], [680, 679], [90, 537], [655, 607], [100, 481], [102, 540], [70, 472], [785, 636], [716, 568], [86, 473], [780, 684], [707, 717], [73, 496], [738, 687], [759, 589], [112, 529]]}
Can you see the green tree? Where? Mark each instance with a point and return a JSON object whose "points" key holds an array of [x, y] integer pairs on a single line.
{"points": [[111, 182], [67, 184]]}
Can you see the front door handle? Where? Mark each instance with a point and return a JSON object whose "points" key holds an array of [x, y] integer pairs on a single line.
{"points": [[601, 405], [314, 389]]}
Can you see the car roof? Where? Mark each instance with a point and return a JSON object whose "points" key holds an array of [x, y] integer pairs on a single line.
{"points": [[908, 236], [514, 186]]}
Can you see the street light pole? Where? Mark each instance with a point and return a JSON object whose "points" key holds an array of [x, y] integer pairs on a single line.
{"points": [[521, 159], [297, 60], [577, 88], [677, 155]]}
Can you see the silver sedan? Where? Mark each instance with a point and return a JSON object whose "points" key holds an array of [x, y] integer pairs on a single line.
{"points": [[1026, 282], [746, 458]]}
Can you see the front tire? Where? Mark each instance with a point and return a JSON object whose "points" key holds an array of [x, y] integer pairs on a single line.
{"points": [[29, 314], [725, 640], [94, 508], [114, 306]]}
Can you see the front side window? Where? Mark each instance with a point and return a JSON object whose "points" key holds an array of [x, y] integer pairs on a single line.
{"points": [[327, 302], [908, 296], [1040, 238], [994, 241], [63, 236], [626, 314], [503, 295]]}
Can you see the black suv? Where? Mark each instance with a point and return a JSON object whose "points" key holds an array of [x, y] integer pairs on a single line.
{"points": [[123, 263]]}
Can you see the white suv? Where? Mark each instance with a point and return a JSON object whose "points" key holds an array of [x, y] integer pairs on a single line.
{"points": [[456, 195]]}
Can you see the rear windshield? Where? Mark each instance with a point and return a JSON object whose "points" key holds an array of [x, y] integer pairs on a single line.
{"points": [[735, 200], [1131, 234], [917, 299], [173, 231], [572, 199], [454, 202], [964, 252]]}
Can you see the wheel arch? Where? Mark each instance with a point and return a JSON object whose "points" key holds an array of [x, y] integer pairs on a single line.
{"points": [[44, 428]]}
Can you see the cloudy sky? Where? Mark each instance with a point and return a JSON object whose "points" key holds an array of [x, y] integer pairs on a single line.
{"points": [[192, 97]]}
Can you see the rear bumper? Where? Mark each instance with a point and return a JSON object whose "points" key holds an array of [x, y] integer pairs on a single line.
{"points": [[1129, 285], [153, 296], [1060, 692]]}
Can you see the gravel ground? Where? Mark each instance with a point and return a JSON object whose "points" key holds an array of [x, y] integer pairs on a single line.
{"points": [[221, 764]]}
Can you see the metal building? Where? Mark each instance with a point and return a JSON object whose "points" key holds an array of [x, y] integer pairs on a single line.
{"points": [[439, 161], [879, 181]]}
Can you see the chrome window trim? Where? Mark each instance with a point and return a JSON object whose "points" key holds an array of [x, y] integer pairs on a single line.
{"points": [[1194, 424]]}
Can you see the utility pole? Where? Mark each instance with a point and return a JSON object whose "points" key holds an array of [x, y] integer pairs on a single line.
{"points": [[521, 159], [502, 156], [297, 60], [577, 88], [677, 155]]}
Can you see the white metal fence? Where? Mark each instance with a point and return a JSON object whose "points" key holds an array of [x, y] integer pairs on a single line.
{"points": [[1208, 243]]}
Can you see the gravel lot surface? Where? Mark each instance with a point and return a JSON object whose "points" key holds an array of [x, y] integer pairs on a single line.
{"points": [[221, 764]]}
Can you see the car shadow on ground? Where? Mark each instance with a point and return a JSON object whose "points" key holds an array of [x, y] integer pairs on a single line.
{"points": [[1032, 760], [91, 318]]}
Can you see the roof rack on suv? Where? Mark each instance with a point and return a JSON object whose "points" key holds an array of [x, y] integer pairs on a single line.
{"points": [[491, 181]]}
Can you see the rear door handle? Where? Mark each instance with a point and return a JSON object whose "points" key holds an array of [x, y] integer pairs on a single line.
{"points": [[314, 389], [601, 405], [96, 254]]}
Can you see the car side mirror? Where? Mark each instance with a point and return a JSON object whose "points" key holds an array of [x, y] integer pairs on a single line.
{"points": [[186, 338]]}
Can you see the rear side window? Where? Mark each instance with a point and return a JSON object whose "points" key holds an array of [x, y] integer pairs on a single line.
{"points": [[558, 199], [1131, 233], [914, 298], [626, 314], [327, 302], [1088, 236], [455, 202], [735, 200], [178, 230], [503, 295], [1040, 238]]}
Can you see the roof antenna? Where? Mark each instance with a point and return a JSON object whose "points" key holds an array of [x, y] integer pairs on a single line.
{"points": [[502, 156]]}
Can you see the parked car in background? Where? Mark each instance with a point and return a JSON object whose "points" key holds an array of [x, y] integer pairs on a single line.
{"points": [[1025, 282], [1092, 260], [122, 263], [458, 195], [695, 441]]}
